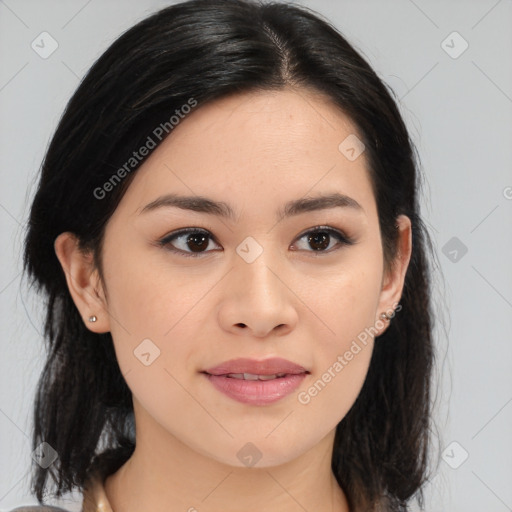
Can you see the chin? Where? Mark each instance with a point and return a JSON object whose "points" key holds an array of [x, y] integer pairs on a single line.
{"points": [[262, 453]]}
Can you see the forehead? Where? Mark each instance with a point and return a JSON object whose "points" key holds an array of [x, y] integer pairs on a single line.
{"points": [[262, 146], [288, 121]]}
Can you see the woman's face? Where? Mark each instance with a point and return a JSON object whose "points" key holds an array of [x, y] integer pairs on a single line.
{"points": [[268, 281]]}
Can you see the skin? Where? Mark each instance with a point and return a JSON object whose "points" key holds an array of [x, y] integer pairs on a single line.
{"points": [[254, 151]]}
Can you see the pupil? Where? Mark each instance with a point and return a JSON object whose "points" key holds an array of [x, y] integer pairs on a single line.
{"points": [[322, 239], [201, 244]]}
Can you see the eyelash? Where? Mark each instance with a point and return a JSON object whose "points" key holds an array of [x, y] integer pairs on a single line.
{"points": [[343, 240]]}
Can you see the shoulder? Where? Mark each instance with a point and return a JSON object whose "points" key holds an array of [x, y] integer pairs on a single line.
{"points": [[38, 508]]}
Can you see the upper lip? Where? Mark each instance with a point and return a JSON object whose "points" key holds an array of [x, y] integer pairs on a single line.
{"points": [[270, 366]]}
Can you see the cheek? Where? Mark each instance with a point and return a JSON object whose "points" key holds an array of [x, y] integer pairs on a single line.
{"points": [[347, 304], [149, 292], [345, 300], [154, 333], [152, 311], [332, 392]]}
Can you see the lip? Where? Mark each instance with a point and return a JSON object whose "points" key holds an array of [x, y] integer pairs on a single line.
{"points": [[258, 367], [256, 392]]}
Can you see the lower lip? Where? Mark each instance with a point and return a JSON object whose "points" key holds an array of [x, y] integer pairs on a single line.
{"points": [[256, 392]]}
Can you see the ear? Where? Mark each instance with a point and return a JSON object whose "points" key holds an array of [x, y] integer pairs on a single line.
{"points": [[83, 281], [394, 278]]}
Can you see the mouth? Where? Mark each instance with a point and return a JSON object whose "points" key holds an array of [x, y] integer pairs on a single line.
{"points": [[252, 376], [256, 382]]}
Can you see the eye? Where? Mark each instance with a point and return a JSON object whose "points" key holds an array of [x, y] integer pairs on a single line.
{"points": [[321, 237], [197, 240], [192, 242]]}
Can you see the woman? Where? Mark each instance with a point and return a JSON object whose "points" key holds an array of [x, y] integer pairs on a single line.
{"points": [[228, 235]]}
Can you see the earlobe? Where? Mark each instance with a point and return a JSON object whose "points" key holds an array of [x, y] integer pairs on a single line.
{"points": [[83, 282]]}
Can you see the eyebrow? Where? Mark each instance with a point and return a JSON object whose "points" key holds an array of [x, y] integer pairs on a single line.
{"points": [[203, 204]]}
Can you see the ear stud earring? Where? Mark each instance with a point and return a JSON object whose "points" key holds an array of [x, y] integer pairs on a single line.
{"points": [[385, 316], [93, 318]]}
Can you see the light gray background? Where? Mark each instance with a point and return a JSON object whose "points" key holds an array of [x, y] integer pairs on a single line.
{"points": [[459, 112]]}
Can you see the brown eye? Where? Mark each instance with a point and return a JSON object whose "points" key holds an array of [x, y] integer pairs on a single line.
{"points": [[194, 242], [191, 242], [320, 239]]}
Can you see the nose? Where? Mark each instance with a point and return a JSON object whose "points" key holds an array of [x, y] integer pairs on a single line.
{"points": [[257, 299]]}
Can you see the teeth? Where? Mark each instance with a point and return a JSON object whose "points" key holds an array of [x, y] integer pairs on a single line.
{"points": [[267, 377], [270, 377], [252, 376]]}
